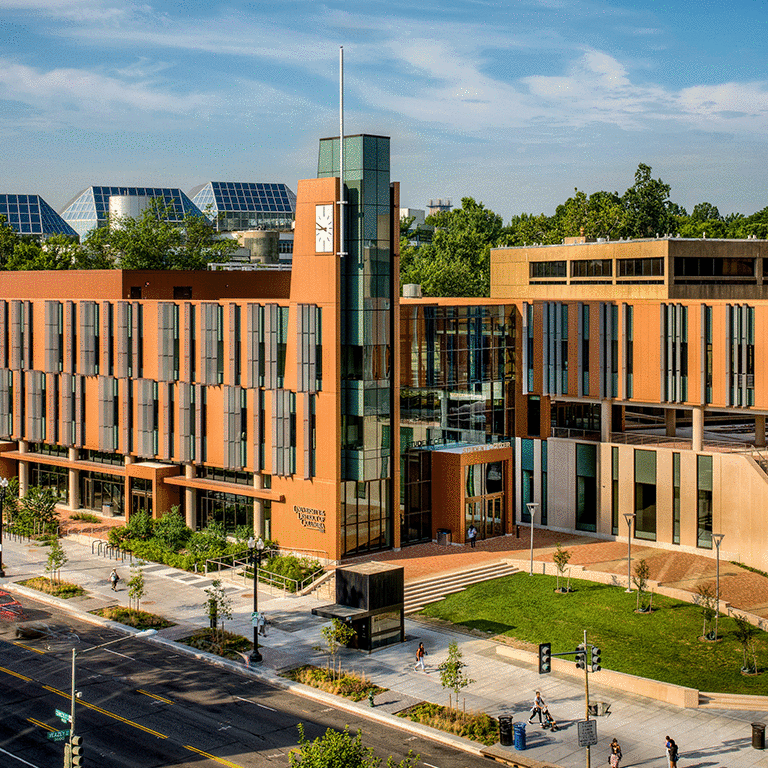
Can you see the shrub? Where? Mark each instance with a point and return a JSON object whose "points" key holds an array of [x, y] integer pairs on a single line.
{"points": [[477, 726], [292, 567], [85, 517], [171, 531], [57, 589], [140, 526], [226, 644], [349, 685], [134, 618]]}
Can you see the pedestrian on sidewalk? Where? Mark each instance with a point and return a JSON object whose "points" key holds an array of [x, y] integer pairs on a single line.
{"points": [[421, 652], [671, 752], [262, 624], [615, 757], [472, 535], [538, 706], [114, 578]]}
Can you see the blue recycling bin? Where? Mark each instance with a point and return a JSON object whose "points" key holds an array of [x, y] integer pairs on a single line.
{"points": [[519, 736]]}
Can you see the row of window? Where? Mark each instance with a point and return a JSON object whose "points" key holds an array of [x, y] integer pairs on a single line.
{"points": [[584, 268]]}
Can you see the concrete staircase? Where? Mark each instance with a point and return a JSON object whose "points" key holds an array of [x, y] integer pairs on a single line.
{"points": [[421, 593]]}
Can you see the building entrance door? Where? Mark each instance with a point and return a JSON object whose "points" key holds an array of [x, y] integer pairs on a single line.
{"points": [[486, 514]]}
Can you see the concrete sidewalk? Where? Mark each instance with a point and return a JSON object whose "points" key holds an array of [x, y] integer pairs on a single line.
{"points": [[715, 739]]}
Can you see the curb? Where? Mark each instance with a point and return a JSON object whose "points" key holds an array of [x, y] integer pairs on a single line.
{"points": [[447, 739]]}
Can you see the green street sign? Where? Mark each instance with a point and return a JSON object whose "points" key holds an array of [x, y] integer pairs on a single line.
{"points": [[65, 717], [59, 735]]}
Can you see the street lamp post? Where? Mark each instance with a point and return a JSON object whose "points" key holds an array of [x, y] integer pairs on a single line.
{"points": [[718, 539], [532, 505], [3, 489], [629, 517], [256, 549], [73, 694]]}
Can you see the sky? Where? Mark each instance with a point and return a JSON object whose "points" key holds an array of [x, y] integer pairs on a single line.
{"points": [[514, 102]]}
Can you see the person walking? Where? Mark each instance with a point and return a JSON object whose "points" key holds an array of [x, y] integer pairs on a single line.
{"points": [[671, 752], [614, 760], [114, 578], [472, 535], [421, 652], [536, 709], [262, 623]]}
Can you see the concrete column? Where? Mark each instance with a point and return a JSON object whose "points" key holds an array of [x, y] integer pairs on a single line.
{"points": [[74, 482], [760, 431], [258, 508], [190, 498], [605, 421], [670, 416], [23, 469], [697, 432]]}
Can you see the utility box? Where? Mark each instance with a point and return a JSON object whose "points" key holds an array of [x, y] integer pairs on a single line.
{"points": [[369, 597]]}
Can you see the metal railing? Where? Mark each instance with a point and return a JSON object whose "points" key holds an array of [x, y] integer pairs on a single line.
{"points": [[103, 548], [576, 434]]}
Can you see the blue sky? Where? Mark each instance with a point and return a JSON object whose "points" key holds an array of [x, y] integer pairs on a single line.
{"points": [[514, 103]]}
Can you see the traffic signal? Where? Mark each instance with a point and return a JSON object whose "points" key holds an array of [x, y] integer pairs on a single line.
{"points": [[77, 751], [596, 659], [581, 657], [545, 658]]}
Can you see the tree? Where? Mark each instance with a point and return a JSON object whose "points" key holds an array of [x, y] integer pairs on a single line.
{"points": [[339, 749], [152, 241], [457, 261], [140, 525], [336, 634], [561, 558], [706, 599], [452, 674], [136, 586], [647, 205], [219, 607], [57, 559], [37, 512], [640, 580], [745, 633]]}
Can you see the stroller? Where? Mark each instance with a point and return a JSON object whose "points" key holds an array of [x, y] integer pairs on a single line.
{"points": [[549, 721]]}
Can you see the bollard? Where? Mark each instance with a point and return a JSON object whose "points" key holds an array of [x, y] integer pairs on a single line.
{"points": [[758, 735], [370, 698]]}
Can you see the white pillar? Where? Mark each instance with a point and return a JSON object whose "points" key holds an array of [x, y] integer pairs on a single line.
{"points": [[760, 431], [23, 469], [74, 482], [605, 421], [190, 499], [258, 509], [697, 424], [670, 417]]}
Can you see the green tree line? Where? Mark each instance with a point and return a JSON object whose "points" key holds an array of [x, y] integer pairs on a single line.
{"points": [[457, 260], [149, 241]]}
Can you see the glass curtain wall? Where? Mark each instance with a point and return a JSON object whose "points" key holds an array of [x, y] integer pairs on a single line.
{"points": [[366, 333], [645, 495], [586, 487], [704, 501]]}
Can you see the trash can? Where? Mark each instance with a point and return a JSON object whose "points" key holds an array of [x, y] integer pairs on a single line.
{"points": [[520, 736], [758, 735], [443, 536], [505, 730]]}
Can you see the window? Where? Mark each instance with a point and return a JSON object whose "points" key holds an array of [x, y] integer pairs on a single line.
{"points": [[704, 501], [614, 490], [592, 268], [645, 495], [586, 487], [547, 269], [675, 498], [640, 267], [585, 349]]}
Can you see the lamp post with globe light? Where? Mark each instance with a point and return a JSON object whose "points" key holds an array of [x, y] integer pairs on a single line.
{"points": [[256, 548], [532, 507], [629, 517], [718, 539], [3, 489]]}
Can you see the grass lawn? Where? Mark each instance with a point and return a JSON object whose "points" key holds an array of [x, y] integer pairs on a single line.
{"points": [[663, 645]]}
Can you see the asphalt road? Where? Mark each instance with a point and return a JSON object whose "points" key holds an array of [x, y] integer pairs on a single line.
{"points": [[143, 705]]}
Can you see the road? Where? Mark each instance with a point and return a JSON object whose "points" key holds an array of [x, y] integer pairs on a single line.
{"points": [[143, 705]]}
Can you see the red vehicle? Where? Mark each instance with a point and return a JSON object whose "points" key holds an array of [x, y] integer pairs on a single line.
{"points": [[10, 607]]}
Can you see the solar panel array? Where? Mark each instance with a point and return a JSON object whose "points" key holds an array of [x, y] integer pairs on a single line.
{"points": [[31, 215]]}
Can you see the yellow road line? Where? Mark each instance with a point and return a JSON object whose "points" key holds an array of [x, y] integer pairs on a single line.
{"points": [[28, 647], [16, 674], [108, 714], [40, 724], [212, 757], [154, 696]]}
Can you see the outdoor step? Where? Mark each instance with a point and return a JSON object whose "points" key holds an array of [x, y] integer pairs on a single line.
{"points": [[733, 701], [421, 593]]}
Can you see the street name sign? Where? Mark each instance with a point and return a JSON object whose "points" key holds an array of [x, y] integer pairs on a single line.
{"points": [[65, 717], [587, 732], [59, 735]]}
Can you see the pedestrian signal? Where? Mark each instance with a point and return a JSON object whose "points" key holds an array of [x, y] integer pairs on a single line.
{"points": [[545, 658]]}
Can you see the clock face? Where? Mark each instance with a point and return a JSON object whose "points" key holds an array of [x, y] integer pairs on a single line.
{"points": [[324, 229]]}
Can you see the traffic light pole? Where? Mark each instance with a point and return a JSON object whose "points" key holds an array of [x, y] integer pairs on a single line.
{"points": [[586, 690], [68, 747]]}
